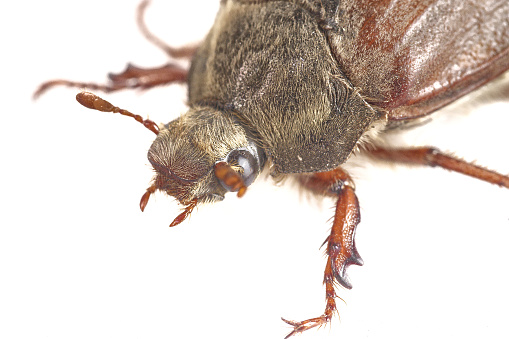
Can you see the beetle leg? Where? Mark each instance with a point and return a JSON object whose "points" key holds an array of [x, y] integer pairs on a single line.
{"points": [[341, 251], [430, 156], [182, 52], [137, 77], [131, 77]]}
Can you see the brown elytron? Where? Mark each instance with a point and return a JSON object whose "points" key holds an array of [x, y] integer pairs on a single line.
{"points": [[289, 82]]}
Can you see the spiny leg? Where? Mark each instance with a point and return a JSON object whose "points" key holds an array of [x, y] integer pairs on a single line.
{"points": [[429, 156], [182, 52], [341, 251]]}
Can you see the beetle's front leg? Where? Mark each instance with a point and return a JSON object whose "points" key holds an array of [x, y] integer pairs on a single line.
{"points": [[132, 77], [135, 77], [341, 251]]}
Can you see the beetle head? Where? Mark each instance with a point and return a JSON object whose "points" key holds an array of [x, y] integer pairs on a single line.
{"points": [[187, 150], [198, 157]]}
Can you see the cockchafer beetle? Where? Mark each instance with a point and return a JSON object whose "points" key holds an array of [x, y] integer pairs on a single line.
{"points": [[299, 86]]}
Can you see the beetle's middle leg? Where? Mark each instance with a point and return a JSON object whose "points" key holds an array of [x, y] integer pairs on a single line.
{"points": [[429, 156], [136, 77], [341, 251], [182, 52]]}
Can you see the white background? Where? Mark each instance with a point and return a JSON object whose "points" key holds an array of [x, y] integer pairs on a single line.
{"points": [[79, 260]]}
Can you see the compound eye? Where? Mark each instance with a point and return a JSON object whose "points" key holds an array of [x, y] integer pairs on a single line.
{"points": [[249, 163]]}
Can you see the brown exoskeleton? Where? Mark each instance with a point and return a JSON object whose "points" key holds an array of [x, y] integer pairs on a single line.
{"points": [[300, 85]]}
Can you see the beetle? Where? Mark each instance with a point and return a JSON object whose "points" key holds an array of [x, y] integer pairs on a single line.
{"points": [[253, 101]]}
